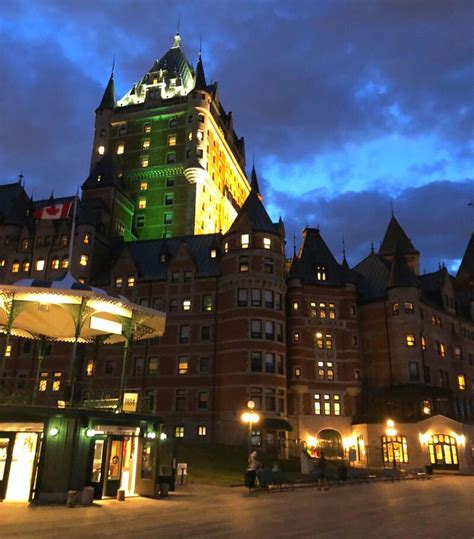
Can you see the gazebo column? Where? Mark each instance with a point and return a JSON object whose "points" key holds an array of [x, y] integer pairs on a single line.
{"points": [[41, 349], [77, 331], [128, 334], [11, 317]]}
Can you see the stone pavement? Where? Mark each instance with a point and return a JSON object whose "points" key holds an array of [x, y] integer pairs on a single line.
{"points": [[440, 508]]}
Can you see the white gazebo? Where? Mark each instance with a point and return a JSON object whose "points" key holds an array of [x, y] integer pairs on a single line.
{"points": [[68, 311]]}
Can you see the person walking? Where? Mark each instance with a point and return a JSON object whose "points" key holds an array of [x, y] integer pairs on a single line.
{"points": [[254, 465]]}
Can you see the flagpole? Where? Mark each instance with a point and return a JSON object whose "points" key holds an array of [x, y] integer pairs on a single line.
{"points": [[73, 230]]}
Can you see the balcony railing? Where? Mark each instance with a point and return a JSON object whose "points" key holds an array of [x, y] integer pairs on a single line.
{"points": [[57, 393]]}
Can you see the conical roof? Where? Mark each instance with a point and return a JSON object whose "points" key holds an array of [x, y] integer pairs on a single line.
{"points": [[108, 99], [104, 174], [200, 76], [395, 237], [465, 274], [255, 212]]}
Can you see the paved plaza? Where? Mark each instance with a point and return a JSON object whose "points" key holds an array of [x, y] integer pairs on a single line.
{"points": [[440, 508]]}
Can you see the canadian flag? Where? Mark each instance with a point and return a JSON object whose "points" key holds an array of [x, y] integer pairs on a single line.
{"points": [[55, 211]]}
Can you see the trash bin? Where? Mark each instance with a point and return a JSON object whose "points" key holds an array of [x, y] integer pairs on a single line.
{"points": [[71, 498], [121, 495], [87, 496]]}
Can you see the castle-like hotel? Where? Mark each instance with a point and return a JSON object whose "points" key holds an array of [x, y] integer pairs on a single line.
{"points": [[169, 218]]}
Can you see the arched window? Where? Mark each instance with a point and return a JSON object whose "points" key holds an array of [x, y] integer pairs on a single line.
{"points": [[395, 449], [443, 451], [330, 443]]}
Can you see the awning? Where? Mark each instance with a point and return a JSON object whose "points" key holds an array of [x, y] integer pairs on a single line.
{"points": [[277, 424]]}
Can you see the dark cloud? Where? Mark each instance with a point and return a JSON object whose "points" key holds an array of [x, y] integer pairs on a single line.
{"points": [[435, 216]]}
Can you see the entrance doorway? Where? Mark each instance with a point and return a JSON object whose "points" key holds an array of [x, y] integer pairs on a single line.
{"points": [[443, 452], [18, 464], [112, 464]]}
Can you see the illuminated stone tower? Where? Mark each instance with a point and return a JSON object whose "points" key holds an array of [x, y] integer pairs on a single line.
{"points": [[175, 150]]}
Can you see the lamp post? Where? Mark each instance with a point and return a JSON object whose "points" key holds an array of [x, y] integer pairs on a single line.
{"points": [[250, 418]]}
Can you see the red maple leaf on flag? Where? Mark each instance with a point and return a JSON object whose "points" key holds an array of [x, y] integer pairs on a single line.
{"points": [[52, 210]]}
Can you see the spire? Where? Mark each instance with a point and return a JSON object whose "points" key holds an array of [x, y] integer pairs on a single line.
{"points": [[254, 181], [108, 99], [200, 77]]}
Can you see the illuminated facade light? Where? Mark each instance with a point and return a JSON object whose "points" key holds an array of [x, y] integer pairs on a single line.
{"points": [[151, 435], [90, 433], [250, 417], [53, 431], [163, 436]]}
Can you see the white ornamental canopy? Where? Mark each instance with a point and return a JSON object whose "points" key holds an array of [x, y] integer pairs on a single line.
{"points": [[66, 310]]}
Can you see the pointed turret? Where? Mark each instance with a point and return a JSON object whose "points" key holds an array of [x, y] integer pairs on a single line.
{"points": [[200, 76], [254, 182], [465, 274], [400, 273], [254, 211], [108, 99], [395, 237]]}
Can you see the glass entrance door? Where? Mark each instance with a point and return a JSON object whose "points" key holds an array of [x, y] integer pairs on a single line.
{"points": [[114, 465], [443, 452], [6, 450], [97, 466]]}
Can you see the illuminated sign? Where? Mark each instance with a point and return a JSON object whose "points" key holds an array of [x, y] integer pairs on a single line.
{"points": [[107, 326], [130, 402]]}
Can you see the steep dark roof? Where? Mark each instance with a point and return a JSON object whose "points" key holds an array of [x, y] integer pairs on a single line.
{"points": [[313, 253], [395, 237], [254, 210], [146, 255], [254, 181], [14, 204], [373, 276], [400, 273], [432, 285], [200, 83], [104, 174], [465, 274], [108, 99]]}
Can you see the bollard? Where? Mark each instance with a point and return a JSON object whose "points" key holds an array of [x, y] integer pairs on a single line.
{"points": [[71, 498], [87, 496], [121, 495]]}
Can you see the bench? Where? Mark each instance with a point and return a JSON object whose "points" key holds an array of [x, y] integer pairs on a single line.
{"points": [[394, 474], [274, 480], [418, 473]]}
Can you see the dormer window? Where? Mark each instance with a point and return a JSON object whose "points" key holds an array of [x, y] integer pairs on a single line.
{"points": [[244, 241], [321, 273]]}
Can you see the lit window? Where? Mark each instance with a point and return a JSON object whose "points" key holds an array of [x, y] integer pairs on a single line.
{"points": [[324, 341], [179, 432], [26, 265], [183, 366], [317, 404], [244, 241], [120, 149], [394, 449], [143, 186], [89, 368], [130, 281], [118, 282], [337, 404], [332, 311], [296, 336], [63, 240], [144, 162], [423, 342], [410, 339], [101, 150], [147, 128], [297, 372], [226, 247], [8, 350], [207, 303], [296, 305], [25, 245], [457, 352], [186, 304], [172, 140], [55, 263], [190, 136], [16, 266], [200, 135], [142, 203], [40, 264], [56, 381], [408, 306], [213, 253], [441, 349], [86, 238], [146, 144], [202, 430], [322, 309], [461, 382], [43, 383], [395, 309], [267, 243], [426, 408], [243, 264], [321, 274], [84, 260], [65, 262], [2, 262]]}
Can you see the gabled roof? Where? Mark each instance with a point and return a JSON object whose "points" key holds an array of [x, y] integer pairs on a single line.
{"points": [[373, 276], [14, 204], [313, 253], [146, 255], [395, 237], [257, 215], [400, 273], [108, 99], [104, 174]]}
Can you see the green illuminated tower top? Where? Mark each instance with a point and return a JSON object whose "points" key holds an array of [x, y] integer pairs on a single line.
{"points": [[175, 153]]}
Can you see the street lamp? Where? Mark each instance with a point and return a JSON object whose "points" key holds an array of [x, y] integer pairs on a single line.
{"points": [[250, 418]]}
